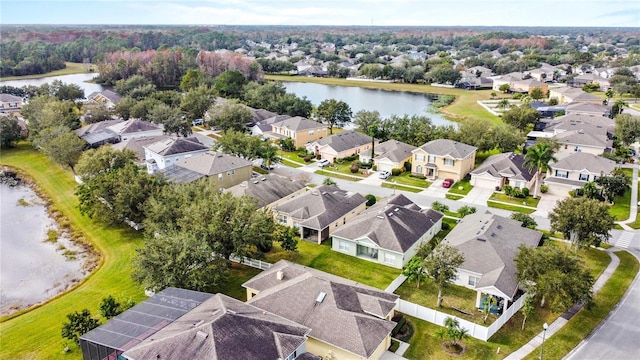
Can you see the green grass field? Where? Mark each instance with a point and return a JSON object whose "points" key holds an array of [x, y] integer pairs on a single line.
{"points": [[72, 68], [406, 179], [528, 201], [462, 187]]}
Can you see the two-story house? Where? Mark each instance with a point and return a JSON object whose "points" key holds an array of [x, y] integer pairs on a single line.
{"points": [[299, 129], [574, 171], [10, 104], [106, 98], [223, 170], [443, 159], [165, 153], [270, 190]]}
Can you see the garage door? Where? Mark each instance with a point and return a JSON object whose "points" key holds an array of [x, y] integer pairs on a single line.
{"points": [[559, 189], [385, 166]]}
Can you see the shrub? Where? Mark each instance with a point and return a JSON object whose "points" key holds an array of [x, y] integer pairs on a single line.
{"points": [[328, 181], [516, 192], [407, 166], [398, 326], [364, 165], [265, 247], [572, 193], [446, 226], [396, 172], [508, 190], [421, 177], [307, 158], [371, 199], [438, 206], [544, 188], [517, 96], [552, 102], [354, 168], [350, 158], [525, 192], [374, 167]]}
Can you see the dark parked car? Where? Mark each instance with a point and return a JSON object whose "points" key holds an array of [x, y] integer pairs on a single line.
{"points": [[447, 183]]}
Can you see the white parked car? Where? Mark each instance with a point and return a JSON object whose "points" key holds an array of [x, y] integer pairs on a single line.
{"points": [[384, 174], [323, 163]]}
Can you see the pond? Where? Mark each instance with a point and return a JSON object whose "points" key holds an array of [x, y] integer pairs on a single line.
{"points": [[35, 263], [78, 79], [387, 103]]}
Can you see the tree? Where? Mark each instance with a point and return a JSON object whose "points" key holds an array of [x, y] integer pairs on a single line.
{"points": [[453, 331], [269, 155], [10, 131], [503, 104], [368, 122], [444, 74], [504, 88], [191, 80], [287, 237], [96, 114], [614, 185], [526, 220], [229, 84], [441, 266], [521, 116], [627, 128], [583, 221], [527, 309], [197, 101], [371, 199], [61, 145], [230, 115], [537, 93], [559, 277], [538, 157], [77, 324], [438, 206], [414, 270], [618, 107], [245, 146], [333, 113], [110, 307], [95, 162], [466, 210], [172, 119], [228, 225]]}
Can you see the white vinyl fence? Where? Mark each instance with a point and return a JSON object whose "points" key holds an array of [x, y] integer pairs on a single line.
{"points": [[475, 330], [258, 264]]}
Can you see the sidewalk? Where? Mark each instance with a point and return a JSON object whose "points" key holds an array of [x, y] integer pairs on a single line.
{"points": [[535, 343]]}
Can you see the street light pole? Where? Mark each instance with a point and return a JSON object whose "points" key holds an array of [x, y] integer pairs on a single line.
{"points": [[394, 187], [545, 326]]}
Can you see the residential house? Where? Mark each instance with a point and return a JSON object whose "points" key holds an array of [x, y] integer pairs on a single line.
{"points": [[489, 244], [575, 170], [10, 104], [586, 108], [442, 159], [348, 320], [184, 324], [566, 95], [581, 80], [341, 145], [134, 128], [519, 83], [390, 232], [503, 169], [320, 212], [301, 130], [263, 127], [269, 190], [547, 111], [166, 153], [581, 133], [479, 71], [223, 170], [391, 154], [107, 98], [100, 133], [137, 146]]}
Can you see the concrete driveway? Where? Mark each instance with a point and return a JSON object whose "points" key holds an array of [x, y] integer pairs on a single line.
{"points": [[546, 204], [478, 196], [435, 190]]}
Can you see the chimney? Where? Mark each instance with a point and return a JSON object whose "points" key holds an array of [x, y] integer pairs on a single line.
{"points": [[279, 274]]}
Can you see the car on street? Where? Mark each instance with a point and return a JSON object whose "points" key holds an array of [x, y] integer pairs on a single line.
{"points": [[384, 174], [269, 167], [447, 183], [197, 122], [323, 163]]}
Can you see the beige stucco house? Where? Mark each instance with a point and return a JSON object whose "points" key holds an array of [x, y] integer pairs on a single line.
{"points": [[442, 159], [10, 104], [299, 129], [223, 170], [503, 169], [344, 144], [348, 320], [391, 154], [574, 171]]}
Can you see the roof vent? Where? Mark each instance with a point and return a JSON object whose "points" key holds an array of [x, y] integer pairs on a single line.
{"points": [[256, 181], [481, 239], [201, 334], [396, 210], [320, 297], [315, 193], [493, 234], [380, 216], [390, 214], [264, 179], [324, 193], [499, 226], [279, 274]]}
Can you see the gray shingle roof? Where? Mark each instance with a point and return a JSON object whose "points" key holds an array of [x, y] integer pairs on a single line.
{"points": [[321, 206], [490, 243], [582, 107], [581, 161], [173, 146], [134, 125], [298, 123], [211, 163], [223, 328], [345, 140], [267, 188], [507, 164], [394, 150], [395, 224], [351, 315], [95, 127], [265, 125], [448, 148], [10, 98], [137, 144]]}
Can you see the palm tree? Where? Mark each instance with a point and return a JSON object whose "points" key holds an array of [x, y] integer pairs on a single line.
{"points": [[618, 106], [503, 104], [270, 156], [538, 157]]}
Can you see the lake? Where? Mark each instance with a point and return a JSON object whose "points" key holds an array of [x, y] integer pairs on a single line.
{"points": [[387, 103], [33, 270], [78, 79]]}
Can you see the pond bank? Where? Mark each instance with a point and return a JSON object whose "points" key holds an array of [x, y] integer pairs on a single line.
{"points": [[41, 256]]}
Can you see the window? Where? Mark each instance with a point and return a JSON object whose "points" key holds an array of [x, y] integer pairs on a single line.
{"points": [[562, 174], [282, 219], [449, 162], [231, 172], [344, 220], [292, 356], [389, 258], [432, 159], [577, 149], [343, 245], [473, 281], [517, 184], [419, 157], [310, 132], [219, 177], [419, 169], [583, 177]]}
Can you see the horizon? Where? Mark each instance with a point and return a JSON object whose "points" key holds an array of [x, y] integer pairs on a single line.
{"points": [[349, 13]]}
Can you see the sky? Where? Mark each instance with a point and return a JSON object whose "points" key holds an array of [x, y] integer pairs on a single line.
{"points": [[569, 13]]}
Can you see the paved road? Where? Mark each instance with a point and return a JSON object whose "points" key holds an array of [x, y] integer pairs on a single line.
{"points": [[618, 337]]}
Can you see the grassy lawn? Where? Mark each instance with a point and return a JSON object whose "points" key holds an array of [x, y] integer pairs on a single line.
{"points": [[406, 179], [462, 187], [528, 201], [344, 169], [238, 275], [71, 68], [586, 320], [292, 156], [453, 196], [621, 206], [400, 187], [336, 175], [464, 107], [483, 155], [321, 257], [454, 297], [36, 334], [521, 209]]}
